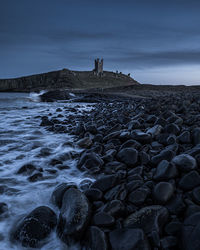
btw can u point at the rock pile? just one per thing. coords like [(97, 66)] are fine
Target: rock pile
[(145, 156)]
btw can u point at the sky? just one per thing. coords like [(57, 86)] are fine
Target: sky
[(157, 41)]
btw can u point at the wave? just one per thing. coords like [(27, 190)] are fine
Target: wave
[(35, 97)]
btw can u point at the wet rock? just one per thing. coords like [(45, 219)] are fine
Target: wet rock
[(171, 139), (114, 208), (196, 195), (196, 136), (185, 162), (34, 227), (128, 156), (138, 196), (117, 192), (165, 171), (173, 227), (86, 142), (176, 204), (89, 161), (189, 181), (163, 192), (94, 194), (184, 137), (105, 183), (168, 242), (74, 216), (58, 193), (190, 233), (163, 155), (97, 239), (103, 219), (151, 218), (141, 137), (26, 169), (46, 122), (172, 129), (54, 95), (131, 144), (154, 131), (35, 177), (132, 185), (129, 239), (3, 209)]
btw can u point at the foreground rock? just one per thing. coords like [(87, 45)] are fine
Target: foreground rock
[(128, 239), (74, 216), (35, 227)]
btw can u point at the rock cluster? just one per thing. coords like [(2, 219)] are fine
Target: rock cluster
[(145, 156)]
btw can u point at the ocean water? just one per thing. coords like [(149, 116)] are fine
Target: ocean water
[(22, 140)]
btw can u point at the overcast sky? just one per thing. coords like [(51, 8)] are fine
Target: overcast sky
[(157, 41)]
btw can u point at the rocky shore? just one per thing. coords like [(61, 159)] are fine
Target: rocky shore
[(144, 154)]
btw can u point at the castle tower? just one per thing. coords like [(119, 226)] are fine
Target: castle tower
[(98, 67)]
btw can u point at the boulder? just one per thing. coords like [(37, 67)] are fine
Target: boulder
[(58, 193), (34, 227), (97, 239), (128, 156), (185, 162), (189, 181), (163, 192), (165, 171), (151, 218), (128, 239), (105, 183), (74, 216), (190, 239)]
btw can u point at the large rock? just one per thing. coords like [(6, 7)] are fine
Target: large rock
[(163, 192), (190, 233), (34, 227), (90, 161), (163, 155), (105, 183), (54, 95), (165, 171), (74, 216), (151, 218), (58, 193), (128, 156), (185, 162), (97, 239), (190, 181), (128, 239)]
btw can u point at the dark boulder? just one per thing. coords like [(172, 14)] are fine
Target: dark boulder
[(128, 239), (103, 219), (185, 162), (34, 227), (128, 156), (190, 239), (105, 183), (165, 171), (26, 169), (58, 193), (54, 95), (151, 218), (163, 192), (190, 181), (97, 239), (163, 155), (74, 216)]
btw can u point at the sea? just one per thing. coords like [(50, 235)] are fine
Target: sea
[(22, 141)]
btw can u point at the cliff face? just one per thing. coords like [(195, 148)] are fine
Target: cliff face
[(65, 79)]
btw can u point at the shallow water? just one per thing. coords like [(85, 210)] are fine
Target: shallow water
[(23, 140)]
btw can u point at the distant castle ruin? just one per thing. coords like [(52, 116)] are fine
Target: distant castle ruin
[(98, 67)]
